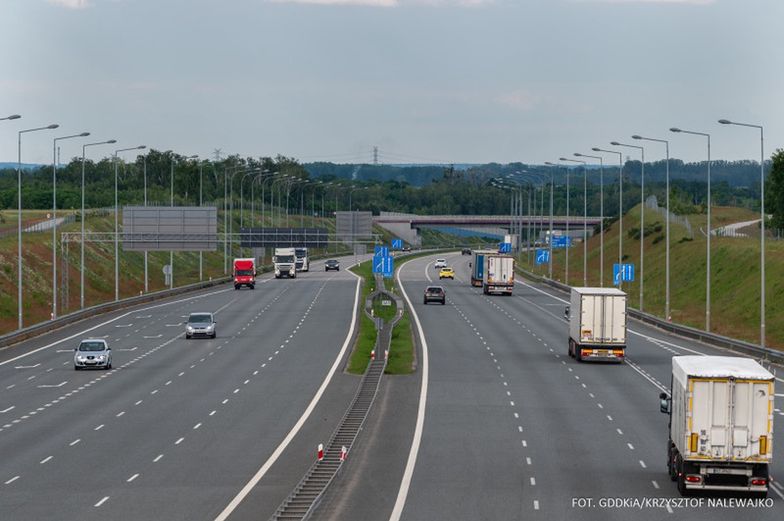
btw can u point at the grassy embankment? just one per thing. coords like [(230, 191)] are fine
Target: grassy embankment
[(735, 267), (99, 266)]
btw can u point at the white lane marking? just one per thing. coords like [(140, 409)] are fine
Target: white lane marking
[(123, 325), (50, 385), (631, 447), (179, 441), (305, 415), (46, 459), (619, 431), (138, 402), (651, 380), (533, 481), (99, 427), (525, 443), (157, 458), (144, 316), (536, 504), (26, 366), (153, 336), (134, 348), (101, 502), (655, 485), (120, 414), (82, 333), (212, 413), (74, 442), (642, 464), (196, 426), (527, 460), (8, 409), (11, 480), (132, 478)]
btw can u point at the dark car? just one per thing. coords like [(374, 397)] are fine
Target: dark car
[(332, 264), (435, 294), (466, 251), (406, 248)]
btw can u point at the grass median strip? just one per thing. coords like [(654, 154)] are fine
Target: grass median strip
[(401, 349)]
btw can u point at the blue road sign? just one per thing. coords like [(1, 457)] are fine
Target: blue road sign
[(623, 273), (382, 251), (505, 247), (542, 256), (397, 244), (384, 264), (562, 242)]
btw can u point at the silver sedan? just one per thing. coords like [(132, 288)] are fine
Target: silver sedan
[(93, 352)]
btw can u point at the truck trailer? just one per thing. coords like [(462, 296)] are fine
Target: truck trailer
[(244, 273), (720, 412), (498, 275), (597, 324), (302, 260), (478, 266)]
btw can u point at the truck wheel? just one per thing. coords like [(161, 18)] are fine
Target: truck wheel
[(236, 287), (569, 351), (681, 476), (425, 302), (671, 462), (577, 353)]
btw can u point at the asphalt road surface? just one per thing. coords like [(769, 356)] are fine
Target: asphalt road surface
[(178, 427)]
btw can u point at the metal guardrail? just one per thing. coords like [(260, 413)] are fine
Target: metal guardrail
[(732, 344)]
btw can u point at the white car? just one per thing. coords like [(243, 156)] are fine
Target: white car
[(92, 352), (440, 263)]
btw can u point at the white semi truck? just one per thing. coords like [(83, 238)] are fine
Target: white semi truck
[(721, 424), (597, 324), (498, 275), (284, 262), (302, 260)]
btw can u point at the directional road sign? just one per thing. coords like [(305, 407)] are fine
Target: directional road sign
[(505, 247), (542, 256), (397, 244), (623, 273), (384, 264), (382, 251), (562, 242)]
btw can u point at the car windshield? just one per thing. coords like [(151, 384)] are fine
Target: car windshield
[(284, 258), (332, 262), (92, 346), (245, 272), (200, 319), (301, 252), (434, 290)]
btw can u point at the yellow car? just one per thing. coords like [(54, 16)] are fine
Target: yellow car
[(446, 273)]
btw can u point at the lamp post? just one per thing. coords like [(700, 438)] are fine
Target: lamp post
[(12, 116), (642, 214), (146, 274), (81, 267), (585, 216), (708, 248), (54, 217), (171, 203), (117, 225), (201, 202), (620, 204), (666, 226), (762, 222), (550, 233), (566, 268), (601, 214), (19, 210)]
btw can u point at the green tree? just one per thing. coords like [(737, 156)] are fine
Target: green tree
[(774, 202)]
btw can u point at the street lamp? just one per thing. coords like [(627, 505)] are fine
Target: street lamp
[(620, 203), (566, 273), (601, 214), (54, 217), (642, 213), (19, 209), (171, 203), (81, 267), (708, 254), (667, 225), (117, 225), (550, 234), (585, 216), (762, 222), (12, 116)]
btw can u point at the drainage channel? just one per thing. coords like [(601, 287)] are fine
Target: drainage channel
[(307, 495)]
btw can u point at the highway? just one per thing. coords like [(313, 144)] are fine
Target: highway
[(179, 427), (496, 423), (510, 427)]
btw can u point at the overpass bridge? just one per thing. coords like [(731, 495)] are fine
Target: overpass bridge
[(407, 226)]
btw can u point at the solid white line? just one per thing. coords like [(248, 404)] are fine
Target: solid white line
[(101, 502), (234, 503), (82, 333)]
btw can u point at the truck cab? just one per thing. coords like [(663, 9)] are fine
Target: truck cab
[(284, 262)]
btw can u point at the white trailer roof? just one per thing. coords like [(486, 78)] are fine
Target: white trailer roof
[(598, 291), (717, 367)]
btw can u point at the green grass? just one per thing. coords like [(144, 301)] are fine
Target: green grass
[(401, 348), (735, 267)]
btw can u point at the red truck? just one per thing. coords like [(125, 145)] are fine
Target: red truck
[(244, 273)]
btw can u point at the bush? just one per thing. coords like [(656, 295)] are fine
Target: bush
[(685, 239), (658, 239)]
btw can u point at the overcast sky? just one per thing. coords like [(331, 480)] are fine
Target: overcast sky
[(424, 80)]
